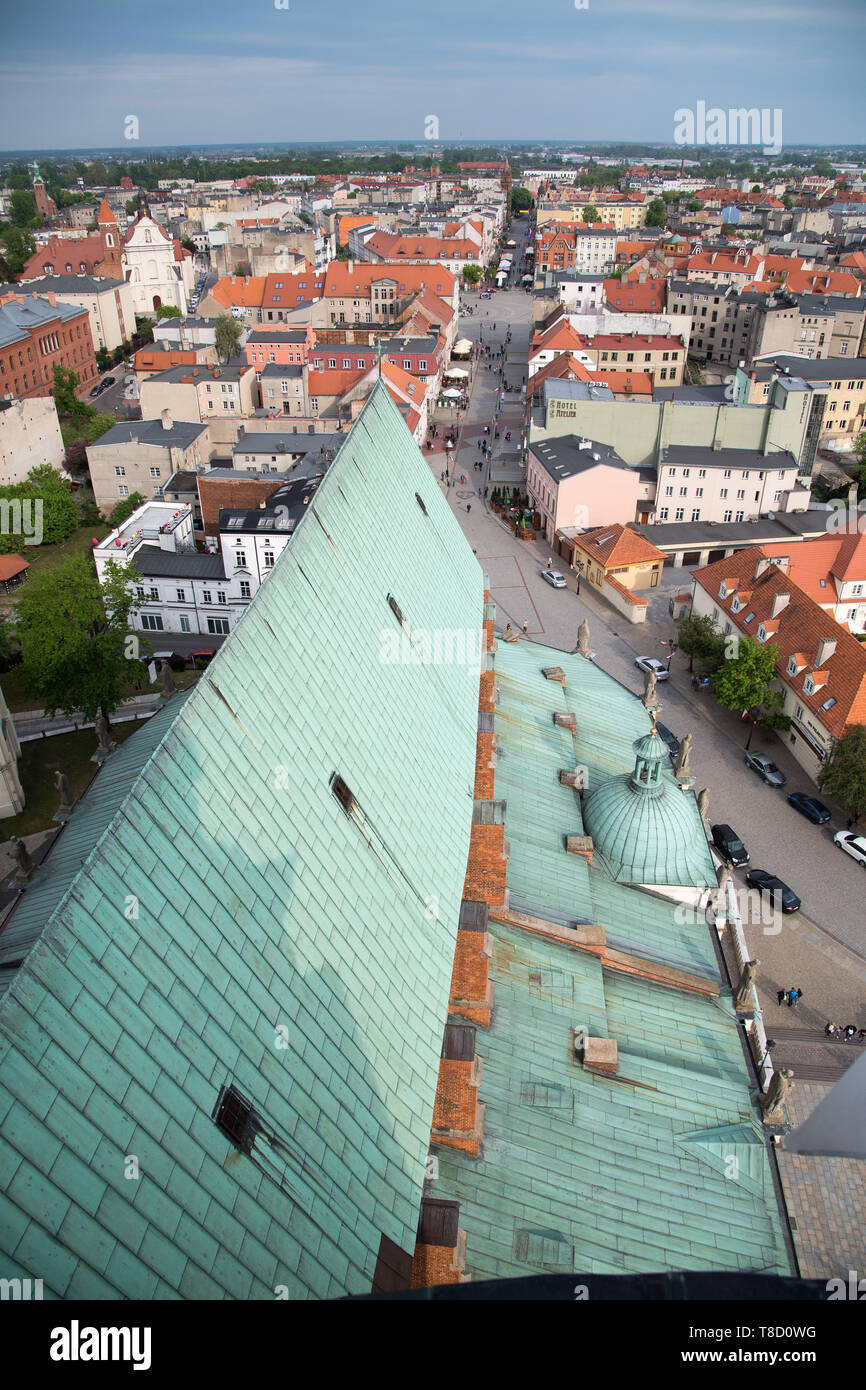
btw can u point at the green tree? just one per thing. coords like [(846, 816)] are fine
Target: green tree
[(756, 188), (59, 512), (743, 681), (655, 213), (125, 508), (701, 642), (63, 390), (591, 213), (787, 201), (73, 635), (22, 208), (472, 274), (694, 205), (131, 207), (521, 200), (16, 248), (167, 311), (228, 332), (843, 776)]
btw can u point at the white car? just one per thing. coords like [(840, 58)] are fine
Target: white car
[(855, 845), (649, 664), (555, 578)]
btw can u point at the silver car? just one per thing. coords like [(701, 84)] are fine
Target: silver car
[(649, 664), (766, 769), (855, 845), (555, 578)]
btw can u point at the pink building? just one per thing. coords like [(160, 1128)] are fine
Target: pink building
[(285, 346), (577, 483)]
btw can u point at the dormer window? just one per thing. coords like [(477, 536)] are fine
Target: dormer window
[(808, 686), (735, 604), (761, 634)]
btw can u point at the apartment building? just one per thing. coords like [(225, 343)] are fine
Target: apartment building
[(200, 392), (142, 455), (820, 667), (836, 387), (583, 247), (700, 483), (108, 302), (37, 333)]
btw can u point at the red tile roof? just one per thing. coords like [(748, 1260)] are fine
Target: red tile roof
[(799, 628), (616, 545)]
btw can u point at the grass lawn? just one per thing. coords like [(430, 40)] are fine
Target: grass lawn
[(40, 759), (52, 556)]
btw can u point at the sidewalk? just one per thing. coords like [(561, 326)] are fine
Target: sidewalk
[(35, 723)]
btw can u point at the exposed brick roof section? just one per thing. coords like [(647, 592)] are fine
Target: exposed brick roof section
[(801, 625)]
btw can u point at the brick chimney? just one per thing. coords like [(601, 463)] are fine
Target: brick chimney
[(458, 1117), (440, 1249)]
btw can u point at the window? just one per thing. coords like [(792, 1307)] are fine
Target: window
[(739, 516), (699, 492), (684, 492), (181, 595), (123, 490), (245, 588), (332, 362), (221, 597), (727, 516), (151, 622), (120, 472), (269, 559), (678, 514), (669, 492), (206, 596), (723, 492), (741, 494), (218, 627), (240, 559), (663, 514), (184, 623), (154, 472)]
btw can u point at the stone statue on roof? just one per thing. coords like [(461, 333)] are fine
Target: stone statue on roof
[(67, 800), (24, 861), (582, 647), (650, 699), (168, 685), (103, 733), (681, 768), (744, 993), (704, 802), (778, 1091)]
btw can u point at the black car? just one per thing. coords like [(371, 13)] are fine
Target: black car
[(771, 887), (109, 381), (670, 739), (95, 390), (731, 846)]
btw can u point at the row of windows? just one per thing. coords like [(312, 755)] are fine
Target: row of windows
[(152, 595), (217, 627)]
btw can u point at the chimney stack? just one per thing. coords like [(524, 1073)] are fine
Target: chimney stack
[(826, 648), (780, 601), (166, 420), (762, 566)]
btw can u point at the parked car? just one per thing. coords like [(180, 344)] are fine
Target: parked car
[(810, 807), (771, 887), (485, 295), (855, 845), (108, 381), (95, 390), (766, 769), (730, 845), (649, 663), (554, 578), (670, 739)]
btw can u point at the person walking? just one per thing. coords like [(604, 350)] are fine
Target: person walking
[(469, 506), (525, 625), (794, 997)]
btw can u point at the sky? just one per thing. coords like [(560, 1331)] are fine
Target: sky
[(238, 71)]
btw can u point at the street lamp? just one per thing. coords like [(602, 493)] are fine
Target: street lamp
[(578, 565), (771, 1043)]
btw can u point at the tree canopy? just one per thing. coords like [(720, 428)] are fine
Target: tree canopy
[(701, 642), (73, 636), (743, 681), (228, 333), (656, 213), (843, 776)]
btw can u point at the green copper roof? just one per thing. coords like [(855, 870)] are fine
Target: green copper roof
[(230, 922), (664, 1166)]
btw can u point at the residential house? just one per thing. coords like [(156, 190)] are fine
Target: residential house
[(820, 668), (142, 455)]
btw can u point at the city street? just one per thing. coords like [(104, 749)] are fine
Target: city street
[(821, 949)]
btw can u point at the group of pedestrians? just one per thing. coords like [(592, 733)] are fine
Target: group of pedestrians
[(846, 1033)]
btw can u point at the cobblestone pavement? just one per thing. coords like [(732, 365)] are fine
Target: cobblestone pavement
[(826, 1201)]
